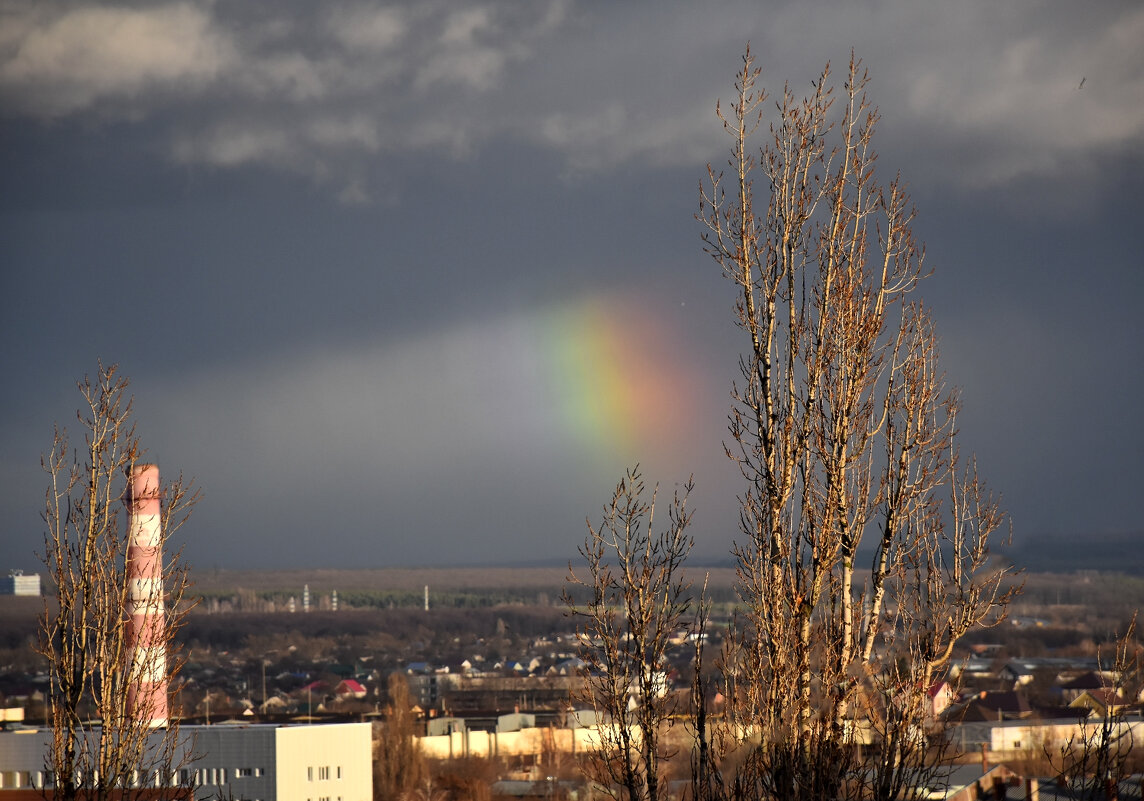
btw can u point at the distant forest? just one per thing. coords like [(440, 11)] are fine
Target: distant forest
[(1058, 553)]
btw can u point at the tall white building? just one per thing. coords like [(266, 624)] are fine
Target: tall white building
[(16, 583), (256, 762)]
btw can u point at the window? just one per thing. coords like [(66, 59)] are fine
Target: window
[(324, 773), (339, 774), (217, 776), (309, 776)]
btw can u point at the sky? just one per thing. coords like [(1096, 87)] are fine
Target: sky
[(413, 284)]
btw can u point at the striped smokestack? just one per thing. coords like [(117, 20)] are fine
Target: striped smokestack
[(146, 640)]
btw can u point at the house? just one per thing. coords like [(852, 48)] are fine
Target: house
[(515, 721), (1103, 702), (970, 783), (1023, 671), (349, 688), (1010, 737), (1090, 680), (446, 725), (571, 666), (275, 705), (939, 697), (992, 706), (583, 719), (973, 667)]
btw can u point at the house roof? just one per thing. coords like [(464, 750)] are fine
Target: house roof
[(938, 687), (1029, 665), (1104, 698), (948, 781), (1092, 680), (991, 706)]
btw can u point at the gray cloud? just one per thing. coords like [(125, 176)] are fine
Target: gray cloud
[(82, 56), (276, 89), (343, 226)]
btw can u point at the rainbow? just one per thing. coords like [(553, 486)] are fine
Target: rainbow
[(601, 375)]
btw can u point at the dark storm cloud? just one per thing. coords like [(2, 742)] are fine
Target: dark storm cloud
[(312, 233)]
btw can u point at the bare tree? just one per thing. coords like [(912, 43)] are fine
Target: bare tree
[(843, 428), (105, 742), (398, 766), (637, 597), (1093, 762)]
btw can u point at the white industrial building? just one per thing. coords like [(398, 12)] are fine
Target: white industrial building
[(16, 583), (256, 762)]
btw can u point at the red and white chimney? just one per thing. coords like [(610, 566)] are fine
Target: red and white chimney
[(146, 641)]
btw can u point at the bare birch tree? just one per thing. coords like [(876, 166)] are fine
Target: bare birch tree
[(398, 766), (637, 597), (865, 550), (103, 746)]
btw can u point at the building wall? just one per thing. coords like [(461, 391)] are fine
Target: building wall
[(1011, 738), (1036, 736), (22, 759), (233, 762), (515, 743), (325, 763), (18, 584)]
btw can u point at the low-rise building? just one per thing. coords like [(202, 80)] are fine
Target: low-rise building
[(16, 583), (261, 762)]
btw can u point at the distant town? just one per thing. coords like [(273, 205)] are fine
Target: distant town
[(492, 665)]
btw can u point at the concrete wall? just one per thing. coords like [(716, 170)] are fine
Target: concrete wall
[(516, 743), (1036, 735), (331, 762), (18, 584), (233, 762), (328, 762)]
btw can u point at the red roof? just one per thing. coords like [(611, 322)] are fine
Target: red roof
[(938, 687)]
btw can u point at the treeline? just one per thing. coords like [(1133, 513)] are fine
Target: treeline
[(436, 629), (1088, 551), (1110, 592), (245, 600)]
